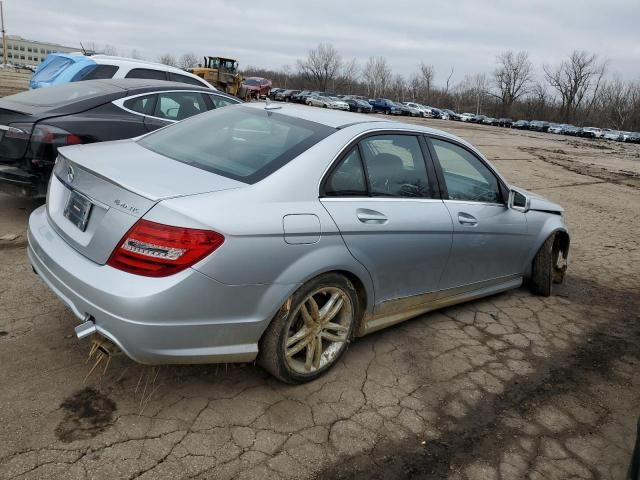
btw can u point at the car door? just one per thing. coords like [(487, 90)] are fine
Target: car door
[(489, 239), (383, 197)]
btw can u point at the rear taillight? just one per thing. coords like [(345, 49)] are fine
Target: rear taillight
[(156, 250), (44, 140)]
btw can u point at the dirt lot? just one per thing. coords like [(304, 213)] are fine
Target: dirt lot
[(510, 387)]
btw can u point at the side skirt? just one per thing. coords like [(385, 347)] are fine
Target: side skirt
[(395, 311)]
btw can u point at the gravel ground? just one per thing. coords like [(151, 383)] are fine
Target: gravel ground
[(509, 387)]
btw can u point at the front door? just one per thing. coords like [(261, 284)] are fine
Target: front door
[(385, 205), (489, 239)]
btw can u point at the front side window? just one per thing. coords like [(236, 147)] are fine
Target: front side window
[(147, 73), (242, 143), (395, 166), (465, 175), (179, 105), (220, 101)]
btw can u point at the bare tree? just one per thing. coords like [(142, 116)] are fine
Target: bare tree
[(618, 101), (136, 54), (448, 84), (321, 66), (347, 76), (189, 60), (377, 76), (109, 50), (168, 59), (427, 72), (512, 77), (574, 80), (399, 87)]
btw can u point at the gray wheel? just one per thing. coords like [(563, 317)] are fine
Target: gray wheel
[(310, 333), (544, 267)]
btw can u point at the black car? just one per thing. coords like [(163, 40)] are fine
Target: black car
[(633, 137), (285, 95), (505, 122), (477, 118), (539, 125), (521, 125), (35, 123), (571, 131), (274, 92), (301, 97), (357, 104)]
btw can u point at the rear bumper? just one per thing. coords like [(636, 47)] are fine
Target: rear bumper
[(184, 318), (18, 183)]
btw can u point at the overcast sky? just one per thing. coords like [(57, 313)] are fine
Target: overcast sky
[(463, 34)]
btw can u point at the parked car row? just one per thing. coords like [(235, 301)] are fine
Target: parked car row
[(572, 130)]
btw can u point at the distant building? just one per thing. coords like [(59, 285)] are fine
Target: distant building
[(29, 52)]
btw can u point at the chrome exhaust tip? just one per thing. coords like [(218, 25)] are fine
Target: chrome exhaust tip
[(86, 328)]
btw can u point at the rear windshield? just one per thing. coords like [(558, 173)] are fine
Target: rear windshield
[(52, 69), (238, 142), (61, 94)]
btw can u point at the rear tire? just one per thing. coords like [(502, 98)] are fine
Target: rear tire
[(542, 271), (300, 320)]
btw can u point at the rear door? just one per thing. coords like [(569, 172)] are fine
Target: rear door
[(489, 239), (383, 197)]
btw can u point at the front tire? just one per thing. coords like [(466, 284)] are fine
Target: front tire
[(311, 331), (543, 268)]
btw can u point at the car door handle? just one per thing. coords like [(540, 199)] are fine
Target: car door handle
[(370, 216), (466, 219)]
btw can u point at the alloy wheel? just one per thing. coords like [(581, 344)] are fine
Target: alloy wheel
[(318, 330)]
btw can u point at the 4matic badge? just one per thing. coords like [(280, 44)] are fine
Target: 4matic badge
[(125, 206)]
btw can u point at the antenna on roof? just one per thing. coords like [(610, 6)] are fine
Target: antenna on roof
[(268, 105), (84, 52)]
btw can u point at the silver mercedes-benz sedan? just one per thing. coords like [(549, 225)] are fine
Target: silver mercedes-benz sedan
[(280, 233)]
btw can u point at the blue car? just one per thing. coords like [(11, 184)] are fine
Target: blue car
[(382, 105), (59, 68)]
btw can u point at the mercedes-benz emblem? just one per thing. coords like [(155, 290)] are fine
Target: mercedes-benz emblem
[(70, 174)]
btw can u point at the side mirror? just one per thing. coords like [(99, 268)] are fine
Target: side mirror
[(518, 201)]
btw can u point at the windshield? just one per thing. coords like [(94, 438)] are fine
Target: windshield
[(52, 69), (251, 82), (61, 94), (243, 143)]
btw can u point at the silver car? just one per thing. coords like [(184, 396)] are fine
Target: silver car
[(280, 233)]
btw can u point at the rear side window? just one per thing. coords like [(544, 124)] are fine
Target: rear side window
[(144, 105), (176, 77), (147, 73), (348, 178), (243, 143), (95, 72), (101, 72)]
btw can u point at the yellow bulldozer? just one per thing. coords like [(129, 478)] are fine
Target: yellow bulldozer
[(222, 74)]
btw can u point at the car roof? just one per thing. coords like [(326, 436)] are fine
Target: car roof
[(148, 84)]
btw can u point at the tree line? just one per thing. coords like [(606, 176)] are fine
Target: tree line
[(576, 90)]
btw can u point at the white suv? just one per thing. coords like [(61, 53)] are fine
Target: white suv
[(60, 68)]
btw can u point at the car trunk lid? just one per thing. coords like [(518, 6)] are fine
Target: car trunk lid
[(98, 192)]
